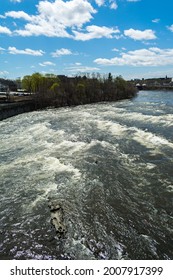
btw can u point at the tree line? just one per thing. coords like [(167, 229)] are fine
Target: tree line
[(53, 90)]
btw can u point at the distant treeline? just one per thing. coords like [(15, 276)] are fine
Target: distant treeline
[(52, 90)]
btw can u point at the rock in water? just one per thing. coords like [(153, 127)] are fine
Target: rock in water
[(57, 218)]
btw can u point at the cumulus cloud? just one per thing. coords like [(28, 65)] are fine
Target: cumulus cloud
[(142, 57), (61, 52), (5, 30), (53, 18), (13, 50), (95, 32), (147, 34), (64, 19)]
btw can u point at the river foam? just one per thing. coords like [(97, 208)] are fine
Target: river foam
[(108, 165)]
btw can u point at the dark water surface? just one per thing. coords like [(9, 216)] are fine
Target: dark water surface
[(109, 165)]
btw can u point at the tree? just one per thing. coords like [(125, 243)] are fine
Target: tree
[(36, 80), (60, 90), (54, 88), (18, 82), (26, 83), (110, 78), (80, 93)]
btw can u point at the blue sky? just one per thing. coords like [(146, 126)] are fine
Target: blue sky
[(132, 38)]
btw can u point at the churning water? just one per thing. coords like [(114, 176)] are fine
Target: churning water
[(109, 165)]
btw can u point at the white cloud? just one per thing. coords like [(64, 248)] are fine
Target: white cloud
[(133, 0), (18, 15), (156, 20), (70, 13), (53, 18), (57, 18), (13, 50), (113, 4), (147, 34), (5, 30), (47, 63), (142, 57), (100, 2), (115, 50), (61, 52), (81, 69), (170, 28), (16, 1), (95, 32), (43, 28)]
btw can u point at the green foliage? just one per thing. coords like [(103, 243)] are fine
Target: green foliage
[(36, 81), (55, 87), (26, 83), (52, 90), (80, 86)]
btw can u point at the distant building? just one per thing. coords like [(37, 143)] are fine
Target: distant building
[(7, 84), (3, 88)]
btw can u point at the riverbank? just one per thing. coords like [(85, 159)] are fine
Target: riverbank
[(8, 110), (25, 104), (61, 91), (164, 88)]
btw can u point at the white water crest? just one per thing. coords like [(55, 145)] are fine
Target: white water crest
[(108, 166)]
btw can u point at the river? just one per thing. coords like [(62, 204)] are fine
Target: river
[(108, 166)]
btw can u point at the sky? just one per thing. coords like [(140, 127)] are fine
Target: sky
[(131, 38)]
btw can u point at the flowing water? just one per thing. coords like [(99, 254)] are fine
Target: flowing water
[(109, 165)]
